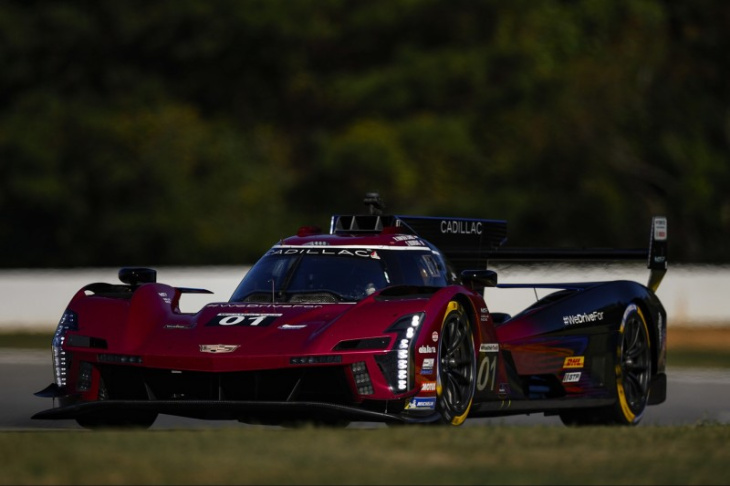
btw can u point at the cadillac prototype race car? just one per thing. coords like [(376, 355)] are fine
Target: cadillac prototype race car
[(381, 319)]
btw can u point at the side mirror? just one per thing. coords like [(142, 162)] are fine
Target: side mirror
[(137, 275), (479, 278)]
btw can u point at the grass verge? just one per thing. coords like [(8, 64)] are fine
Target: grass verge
[(402, 455), (698, 358), (26, 340)]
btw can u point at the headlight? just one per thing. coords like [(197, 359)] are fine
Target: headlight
[(398, 365), (62, 360)]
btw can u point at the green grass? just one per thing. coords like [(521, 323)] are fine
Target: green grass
[(27, 340), (695, 358), (403, 455)]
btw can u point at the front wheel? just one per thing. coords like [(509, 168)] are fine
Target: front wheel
[(456, 366), (633, 377)]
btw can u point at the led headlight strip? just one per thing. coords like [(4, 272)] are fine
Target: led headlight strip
[(407, 328), (62, 360)]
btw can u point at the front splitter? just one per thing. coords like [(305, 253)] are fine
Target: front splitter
[(245, 411)]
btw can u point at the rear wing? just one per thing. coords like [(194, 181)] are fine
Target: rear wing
[(470, 243), (655, 255)]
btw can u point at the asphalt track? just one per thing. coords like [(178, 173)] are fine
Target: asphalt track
[(694, 396)]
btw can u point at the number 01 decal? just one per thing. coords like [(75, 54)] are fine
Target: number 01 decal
[(250, 320), (487, 373)]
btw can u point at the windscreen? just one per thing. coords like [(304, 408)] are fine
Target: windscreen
[(336, 274)]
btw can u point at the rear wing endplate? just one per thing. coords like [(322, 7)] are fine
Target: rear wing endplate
[(657, 252)]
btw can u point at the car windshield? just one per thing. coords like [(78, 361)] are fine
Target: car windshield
[(336, 274)]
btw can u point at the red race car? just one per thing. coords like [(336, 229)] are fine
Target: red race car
[(381, 319)]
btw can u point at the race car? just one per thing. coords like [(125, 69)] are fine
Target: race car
[(381, 319)]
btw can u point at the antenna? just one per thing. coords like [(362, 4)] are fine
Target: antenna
[(374, 202)]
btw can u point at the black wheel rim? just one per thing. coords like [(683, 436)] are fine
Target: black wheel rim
[(635, 363), (456, 365)]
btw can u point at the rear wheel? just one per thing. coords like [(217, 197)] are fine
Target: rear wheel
[(633, 377), (456, 366)]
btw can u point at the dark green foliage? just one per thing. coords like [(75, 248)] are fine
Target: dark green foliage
[(193, 132)]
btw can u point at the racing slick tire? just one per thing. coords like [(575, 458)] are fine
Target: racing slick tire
[(456, 377), (633, 377)]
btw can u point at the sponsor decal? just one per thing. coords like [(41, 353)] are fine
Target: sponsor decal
[(316, 243), (353, 252), (660, 229), (243, 319), (292, 326), (582, 318), (179, 326), (218, 348), (409, 240), (404, 237), (572, 377), (503, 390), (422, 403), (429, 386), (427, 368), (574, 362), (489, 348), (426, 349), (165, 297), (263, 305), (435, 336), (461, 227)]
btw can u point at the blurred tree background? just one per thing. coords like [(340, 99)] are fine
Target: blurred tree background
[(188, 132)]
